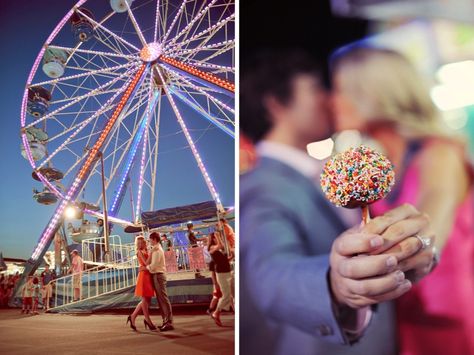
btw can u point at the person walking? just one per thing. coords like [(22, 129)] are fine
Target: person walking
[(46, 278), (223, 275), (76, 268)]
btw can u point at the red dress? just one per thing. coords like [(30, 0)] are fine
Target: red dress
[(144, 286)]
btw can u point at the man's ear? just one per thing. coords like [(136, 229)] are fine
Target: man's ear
[(272, 106)]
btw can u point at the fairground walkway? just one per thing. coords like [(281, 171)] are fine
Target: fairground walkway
[(106, 333)]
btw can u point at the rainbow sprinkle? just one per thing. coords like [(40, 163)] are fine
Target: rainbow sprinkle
[(357, 177)]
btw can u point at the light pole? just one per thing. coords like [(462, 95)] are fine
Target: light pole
[(104, 207)]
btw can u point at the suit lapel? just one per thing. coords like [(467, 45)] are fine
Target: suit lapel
[(320, 202)]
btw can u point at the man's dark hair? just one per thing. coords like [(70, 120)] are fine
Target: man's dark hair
[(269, 73), (155, 236)]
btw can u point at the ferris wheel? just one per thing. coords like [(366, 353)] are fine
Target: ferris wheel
[(101, 86)]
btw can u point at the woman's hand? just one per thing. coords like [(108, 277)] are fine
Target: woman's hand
[(413, 255)]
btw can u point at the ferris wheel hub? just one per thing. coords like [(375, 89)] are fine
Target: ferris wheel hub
[(151, 52)]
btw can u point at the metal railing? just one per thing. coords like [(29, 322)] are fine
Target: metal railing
[(118, 273), (94, 282), (93, 250)]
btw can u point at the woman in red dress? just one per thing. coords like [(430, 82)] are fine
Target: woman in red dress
[(144, 287)]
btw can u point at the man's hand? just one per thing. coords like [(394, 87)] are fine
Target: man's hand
[(360, 280)]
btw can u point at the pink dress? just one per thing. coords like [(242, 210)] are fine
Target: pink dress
[(437, 315)]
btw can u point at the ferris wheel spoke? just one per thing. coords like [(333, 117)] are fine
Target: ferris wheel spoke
[(128, 111), (211, 29), (173, 64), (98, 25), (81, 111), (202, 168), (135, 24), (73, 166), (187, 99), (211, 47), (202, 97), (77, 76), (91, 62), (218, 31), (119, 162), (175, 19), (96, 91), (189, 26), (106, 41), (99, 53), (198, 89), (112, 43), (131, 150), (82, 126), (152, 99), (190, 95), (79, 128), (157, 21), (217, 53), (156, 133)]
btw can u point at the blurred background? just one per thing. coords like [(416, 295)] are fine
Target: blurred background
[(436, 35)]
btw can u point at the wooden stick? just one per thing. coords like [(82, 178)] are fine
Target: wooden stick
[(365, 215)]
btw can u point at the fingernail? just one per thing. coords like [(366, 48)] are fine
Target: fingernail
[(399, 276), (406, 285), (391, 261), (376, 242)]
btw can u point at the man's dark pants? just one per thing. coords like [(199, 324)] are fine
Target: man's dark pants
[(159, 284)]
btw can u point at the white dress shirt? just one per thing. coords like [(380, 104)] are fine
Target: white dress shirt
[(157, 263)]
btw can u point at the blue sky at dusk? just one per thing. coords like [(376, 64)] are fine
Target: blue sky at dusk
[(24, 27)]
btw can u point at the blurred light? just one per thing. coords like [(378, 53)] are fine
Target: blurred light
[(344, 140), (456, 73), (450, 97), (457, 86), (320, 150), (455, 119), (70, 212)]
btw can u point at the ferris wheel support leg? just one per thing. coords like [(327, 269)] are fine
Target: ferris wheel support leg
[(56, 220)]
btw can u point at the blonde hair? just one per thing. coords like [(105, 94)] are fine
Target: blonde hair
[(385, 87), (137, 241)]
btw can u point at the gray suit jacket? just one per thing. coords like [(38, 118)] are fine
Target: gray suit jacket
[(286, 231)]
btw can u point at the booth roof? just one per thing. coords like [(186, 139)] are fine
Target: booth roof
[(175, 215)]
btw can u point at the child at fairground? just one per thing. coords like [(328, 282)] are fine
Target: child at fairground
[(27, 294), (36, 295)]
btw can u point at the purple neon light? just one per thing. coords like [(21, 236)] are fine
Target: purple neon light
[(40, 57)]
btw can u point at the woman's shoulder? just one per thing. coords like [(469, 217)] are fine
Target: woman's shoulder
[(443, 153), (446, 159)]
